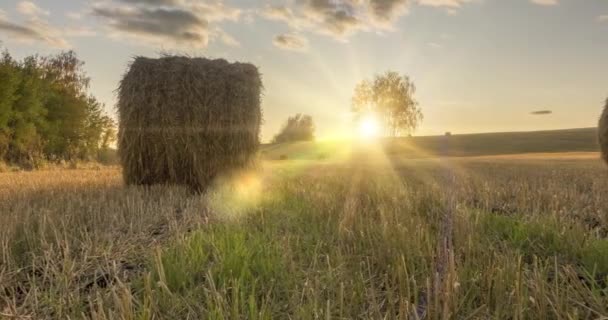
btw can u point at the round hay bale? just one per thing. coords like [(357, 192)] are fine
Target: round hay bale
[(187, 120), (603, 132)]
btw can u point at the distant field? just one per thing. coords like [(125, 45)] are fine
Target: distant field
[(547, 156), (570, 140)]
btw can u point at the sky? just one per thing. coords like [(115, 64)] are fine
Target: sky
[(478, 65)]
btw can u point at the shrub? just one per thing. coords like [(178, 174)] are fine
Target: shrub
[(297, 128)]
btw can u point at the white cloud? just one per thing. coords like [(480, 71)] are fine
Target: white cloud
[(34, 29), (181, 22), (225, 38), (30, 9), (338, 19), (546, 2), (342, 19), (452, 4), (79, 32), (214, 11)]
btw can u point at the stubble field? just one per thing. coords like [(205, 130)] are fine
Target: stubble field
[(368, 236)]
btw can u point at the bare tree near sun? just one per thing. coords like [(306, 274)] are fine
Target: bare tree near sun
[(390, 97), (603, 132)]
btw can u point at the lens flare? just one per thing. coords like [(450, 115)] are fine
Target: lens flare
[(234, 196)]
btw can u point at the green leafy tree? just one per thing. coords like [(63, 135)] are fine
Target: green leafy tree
[(300, 127), (68, 106), (98, 131), (28, 114), (46, 112), (390, 97), (9, 82), (106, 154)]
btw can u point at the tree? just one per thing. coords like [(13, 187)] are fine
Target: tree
[(46, 112), (9, 82), (390, 97), (70, 110), (297, 128), (27, 120)]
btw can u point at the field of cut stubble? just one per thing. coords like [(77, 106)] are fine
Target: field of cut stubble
[(515, 237)]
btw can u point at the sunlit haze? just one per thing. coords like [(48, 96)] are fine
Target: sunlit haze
[(369, 128)]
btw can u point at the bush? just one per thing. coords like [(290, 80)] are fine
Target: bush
[(297, 128)]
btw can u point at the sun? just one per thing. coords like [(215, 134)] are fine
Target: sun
[(369, 127)]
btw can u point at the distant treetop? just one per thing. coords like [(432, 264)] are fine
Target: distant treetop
[(297, 128)]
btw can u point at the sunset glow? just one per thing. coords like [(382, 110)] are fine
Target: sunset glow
[(369, 128)]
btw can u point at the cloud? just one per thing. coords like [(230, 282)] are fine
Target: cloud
[(286, 15), (386, 12), (28, 8), (225, 38), (290, 41), (159, 23), (546, 2), (541, 112), (180, 22), (342, 19), (79, 32), (214, 11), (279, 13), (19, 30), (34, 28), (154, 2), (338, 19), (451, 4)]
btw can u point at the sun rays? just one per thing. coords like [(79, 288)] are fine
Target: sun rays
[(369, 128)]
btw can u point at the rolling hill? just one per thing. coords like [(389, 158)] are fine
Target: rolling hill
[(463, 145)]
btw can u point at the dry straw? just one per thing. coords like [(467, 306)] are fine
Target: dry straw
[(187, 120), (603, 132)]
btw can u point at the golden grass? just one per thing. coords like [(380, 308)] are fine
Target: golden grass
[(65, 231), (332, 239)]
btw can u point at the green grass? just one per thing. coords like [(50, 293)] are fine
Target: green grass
[(372, 253), (359, 238)]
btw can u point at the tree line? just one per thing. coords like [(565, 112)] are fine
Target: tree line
[(47, 114)]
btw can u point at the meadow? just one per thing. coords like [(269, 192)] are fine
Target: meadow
[(351, 233)]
